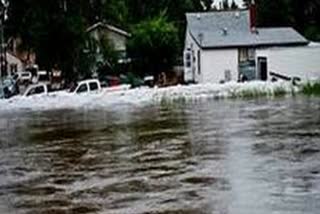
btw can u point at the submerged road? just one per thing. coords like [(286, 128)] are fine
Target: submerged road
[(230, 157)]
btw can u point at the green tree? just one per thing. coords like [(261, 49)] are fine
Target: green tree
[(273, 13), (115, 12), (305, 16), (54, 30), (154, 44)]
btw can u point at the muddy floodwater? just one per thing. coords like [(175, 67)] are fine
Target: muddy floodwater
[(210, 157)]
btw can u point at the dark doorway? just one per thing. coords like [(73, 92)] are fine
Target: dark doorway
[(263, 68)]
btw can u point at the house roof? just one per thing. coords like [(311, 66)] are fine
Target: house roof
[(109, 27), (225, 29)]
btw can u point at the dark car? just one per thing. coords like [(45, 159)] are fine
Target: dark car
[(8, 88)]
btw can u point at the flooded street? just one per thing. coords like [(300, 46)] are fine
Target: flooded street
[(209, 157)]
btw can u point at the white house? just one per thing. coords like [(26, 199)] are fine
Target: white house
[(224, 46), (14, 64)]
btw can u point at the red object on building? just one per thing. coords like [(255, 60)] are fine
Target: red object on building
[(253, 15), (114, 81)]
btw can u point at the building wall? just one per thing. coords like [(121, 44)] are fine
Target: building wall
[(215, 64), (192, 74), (303, 62), (118, 41), (28, 57), (14, 64)]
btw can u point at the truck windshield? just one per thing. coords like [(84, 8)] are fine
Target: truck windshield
[(82, 89), (36, 90)]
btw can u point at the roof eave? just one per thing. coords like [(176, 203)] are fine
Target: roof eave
[(195, 40), (288, 44), (109, 27)]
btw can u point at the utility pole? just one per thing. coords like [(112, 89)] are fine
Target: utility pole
[(3, 52)]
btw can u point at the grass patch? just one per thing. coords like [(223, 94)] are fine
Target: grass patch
[(279, 92), (311, 88), (254, 93)]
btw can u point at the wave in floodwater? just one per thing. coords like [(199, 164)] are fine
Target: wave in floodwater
[(145, 96), (254, 156)]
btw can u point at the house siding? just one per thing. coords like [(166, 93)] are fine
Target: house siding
[(302, 62), (215, 63), (14, 61), (118, 41), (193, 74)]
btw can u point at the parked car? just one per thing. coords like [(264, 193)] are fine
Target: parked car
[(8, 88), (25, 77)]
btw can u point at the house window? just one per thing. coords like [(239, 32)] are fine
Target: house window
[(188, 59), (13, 68), (247, 64), (243, 54), (246, 54)]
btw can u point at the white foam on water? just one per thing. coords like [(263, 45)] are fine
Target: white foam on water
[(142, 96)]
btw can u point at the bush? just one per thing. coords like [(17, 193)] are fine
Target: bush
[(311, 88)]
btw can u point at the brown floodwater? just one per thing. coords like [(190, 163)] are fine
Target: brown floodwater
[(214, 157)]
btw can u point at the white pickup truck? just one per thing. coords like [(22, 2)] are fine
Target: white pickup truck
[(87, 86), (33, 90), (83, 88)]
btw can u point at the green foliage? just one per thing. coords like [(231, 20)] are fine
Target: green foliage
[(63, 45), (56, 35), (132, 79), (312, 32), (254, 93), (302, 15), (115, 12), (107, 65), (273, 13), (311, 88), (154, 44), (279, 92), (140, 10)]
